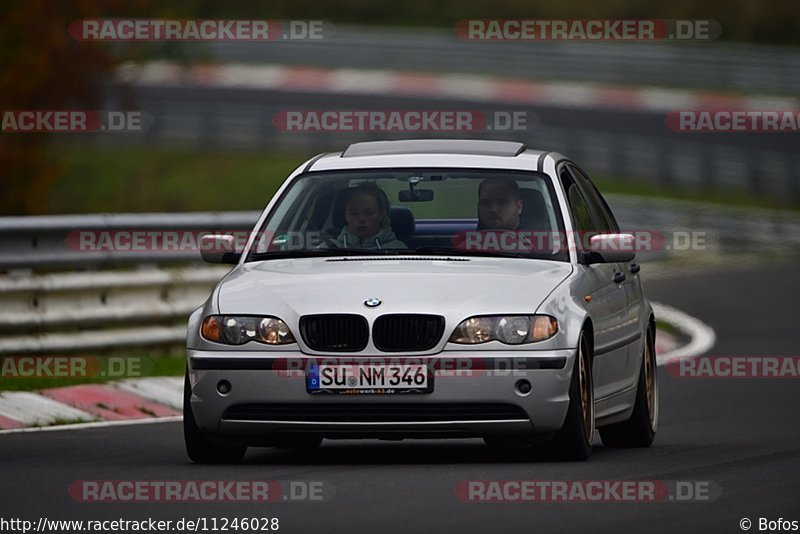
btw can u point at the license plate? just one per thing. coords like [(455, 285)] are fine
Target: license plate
[(369, 379)]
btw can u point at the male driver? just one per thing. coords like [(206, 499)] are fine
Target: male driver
[(499, 204)]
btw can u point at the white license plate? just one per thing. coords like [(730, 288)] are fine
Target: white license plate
[(369, 378)]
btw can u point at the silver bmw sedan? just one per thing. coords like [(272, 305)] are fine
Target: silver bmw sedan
[(425, 289)]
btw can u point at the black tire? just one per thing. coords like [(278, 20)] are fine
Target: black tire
[(200, 449), (640, 429), (574, 440)]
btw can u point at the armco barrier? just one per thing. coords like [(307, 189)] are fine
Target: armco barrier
[(98, 311), (41, 242), (138, 303), (103, 301)]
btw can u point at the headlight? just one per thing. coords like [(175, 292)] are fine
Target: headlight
[(238, 330), (508, 329), (513, 330), (474, 330)]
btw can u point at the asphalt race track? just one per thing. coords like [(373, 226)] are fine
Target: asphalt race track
[(632, 124), (742, 434)]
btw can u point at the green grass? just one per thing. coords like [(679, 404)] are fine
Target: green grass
[(149, 365), (98, 180), (732, 198), (136, 179), (62, 422), (670, 329)]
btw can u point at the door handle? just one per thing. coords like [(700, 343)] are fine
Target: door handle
[(635, 268), (619, 278)]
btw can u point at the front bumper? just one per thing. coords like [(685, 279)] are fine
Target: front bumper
[(481, 399)]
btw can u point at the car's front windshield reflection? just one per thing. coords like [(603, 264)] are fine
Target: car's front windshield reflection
[(421, 211)]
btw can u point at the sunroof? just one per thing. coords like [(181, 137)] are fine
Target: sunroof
[(435, 146)]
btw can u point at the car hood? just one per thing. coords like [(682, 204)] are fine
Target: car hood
[(451, 287)]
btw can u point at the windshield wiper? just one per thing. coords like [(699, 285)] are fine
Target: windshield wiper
[(445, 251), (323, 253), (334, 252)]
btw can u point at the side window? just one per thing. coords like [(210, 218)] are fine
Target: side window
[(581, 215), (605, 218)]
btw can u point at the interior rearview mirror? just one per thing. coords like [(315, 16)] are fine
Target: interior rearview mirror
[(416, 195)]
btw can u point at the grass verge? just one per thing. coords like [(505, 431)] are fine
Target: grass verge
[(113, 368), (140, 179)]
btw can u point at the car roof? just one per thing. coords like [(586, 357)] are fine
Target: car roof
[(465, 153), (435, 146)]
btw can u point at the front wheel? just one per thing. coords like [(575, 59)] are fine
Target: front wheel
[(574, 440), (640, 429), (200, 449)]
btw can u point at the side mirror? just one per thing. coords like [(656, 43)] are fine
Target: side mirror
[(610, 248), (219, 248)]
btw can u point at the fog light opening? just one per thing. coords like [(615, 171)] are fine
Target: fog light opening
[(224, 387), (523, 387)]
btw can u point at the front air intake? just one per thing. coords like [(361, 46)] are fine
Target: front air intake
[(335, 332), (407, 332)]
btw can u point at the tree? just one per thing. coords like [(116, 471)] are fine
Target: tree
[(44, 68)]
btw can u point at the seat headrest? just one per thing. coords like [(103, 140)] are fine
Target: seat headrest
[(339, 205), (534, 214), (403, 222)]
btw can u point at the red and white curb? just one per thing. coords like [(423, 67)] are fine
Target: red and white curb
[(23, 408), (474, 87), (701, 336), (160, 399), (127, 401)]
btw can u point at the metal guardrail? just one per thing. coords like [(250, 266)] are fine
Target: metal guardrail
[(147, 306), (90, 311), (712, 65), (622, 144), (134, 305), (627, 145), (50, 242), (53, 242)]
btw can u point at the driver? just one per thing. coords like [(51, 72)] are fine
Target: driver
[(368, 225), (499, 204)]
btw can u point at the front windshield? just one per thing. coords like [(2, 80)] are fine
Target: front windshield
[(415, 211)]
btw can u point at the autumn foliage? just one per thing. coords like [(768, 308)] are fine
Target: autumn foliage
[(44, 68)]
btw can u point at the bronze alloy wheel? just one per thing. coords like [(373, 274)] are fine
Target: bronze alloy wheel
[(586, 391), (651, 381), (640, 429)]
